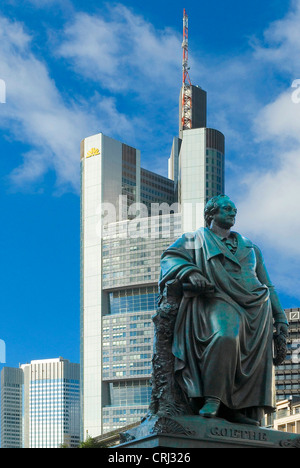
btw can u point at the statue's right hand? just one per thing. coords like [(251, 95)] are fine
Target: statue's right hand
[(201, 283)]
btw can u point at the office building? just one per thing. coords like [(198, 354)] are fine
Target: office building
[(287, 375), (120, 251), (41, 405), (11, 407), (51, 403), (197, 162), (288, 415), (287, 381), (198, 111), (129, 215)]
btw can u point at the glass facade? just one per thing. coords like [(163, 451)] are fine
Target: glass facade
[(130, 401), (54, 413), (51, 404), (127, 344), (128, 334), (156, 189), (40, 405), (133, 300), (11, 408), (131, 250), (129, 174), (200, 173), (287, 375), (120, 260), (214, 177), (130, 274)]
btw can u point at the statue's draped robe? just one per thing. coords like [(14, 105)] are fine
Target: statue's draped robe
[(223, 342)]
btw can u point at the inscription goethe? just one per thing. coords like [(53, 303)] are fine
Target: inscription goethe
[(243, 434)]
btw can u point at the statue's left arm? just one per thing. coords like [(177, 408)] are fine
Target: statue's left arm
[(178, 261), (279, 315)]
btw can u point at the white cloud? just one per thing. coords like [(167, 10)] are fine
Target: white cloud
[(269, 200), (282, 41), (133, 61), (251, 102), (122, 51), (130, 59), (36, 114), (280, 120)]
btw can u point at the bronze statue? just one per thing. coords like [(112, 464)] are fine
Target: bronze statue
[(218, 309)]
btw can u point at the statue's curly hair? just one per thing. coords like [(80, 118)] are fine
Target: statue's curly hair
[(211, 208)]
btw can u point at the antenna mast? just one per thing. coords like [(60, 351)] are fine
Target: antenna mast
[(186, 117)]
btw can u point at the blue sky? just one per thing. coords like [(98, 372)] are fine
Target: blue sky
[(75, 68)]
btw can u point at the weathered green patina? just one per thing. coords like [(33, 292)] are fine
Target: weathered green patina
[(222, 340)]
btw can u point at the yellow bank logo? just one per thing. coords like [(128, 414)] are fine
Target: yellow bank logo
[(92, 152)]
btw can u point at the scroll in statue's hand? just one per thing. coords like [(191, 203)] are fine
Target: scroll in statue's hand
[(200, 284)]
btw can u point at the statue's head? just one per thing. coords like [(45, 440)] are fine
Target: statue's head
[(220, 210)]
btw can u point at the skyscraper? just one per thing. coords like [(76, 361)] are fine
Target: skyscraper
[(120, 251), (287, 375), (198, 112), (197, 162), (129, 216), (41, 405), (11, 407), (197, 158)]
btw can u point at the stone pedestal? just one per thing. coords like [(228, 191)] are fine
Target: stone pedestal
[(188, 432)]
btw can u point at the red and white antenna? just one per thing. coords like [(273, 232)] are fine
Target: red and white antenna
[(186, 118)]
